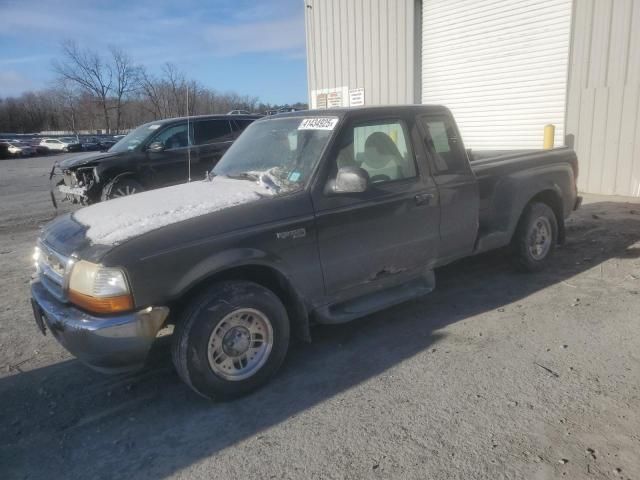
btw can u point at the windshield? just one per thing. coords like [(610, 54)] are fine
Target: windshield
[(134, 138), (280, 153)]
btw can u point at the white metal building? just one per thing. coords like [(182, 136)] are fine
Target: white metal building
[(505, 68)]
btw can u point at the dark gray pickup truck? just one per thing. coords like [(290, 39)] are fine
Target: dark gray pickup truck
[(311, 217)]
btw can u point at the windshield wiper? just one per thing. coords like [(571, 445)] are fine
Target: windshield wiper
[(244, 176)]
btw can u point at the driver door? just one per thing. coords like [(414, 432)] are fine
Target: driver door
[(171, 165), (388, 233)]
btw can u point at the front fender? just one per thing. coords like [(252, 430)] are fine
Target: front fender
[(219, 262)]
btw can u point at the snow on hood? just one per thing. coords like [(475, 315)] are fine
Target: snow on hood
[(117, 220)]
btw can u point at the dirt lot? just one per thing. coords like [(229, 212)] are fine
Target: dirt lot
[(495, 375)]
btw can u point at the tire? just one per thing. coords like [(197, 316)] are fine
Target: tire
[(536, 237), (215, 325), (120, 187)]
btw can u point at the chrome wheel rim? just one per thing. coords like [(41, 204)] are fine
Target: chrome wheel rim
[(540, 237), (124, 191), (240, 344)]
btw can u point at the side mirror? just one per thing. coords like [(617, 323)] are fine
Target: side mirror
[(350, 180), (155, 147)]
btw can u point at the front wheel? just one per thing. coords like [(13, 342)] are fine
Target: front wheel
[(535, 238), (120, 187), (231, 339)]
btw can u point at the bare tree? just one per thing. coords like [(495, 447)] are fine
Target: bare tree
[(66, 102), (88, 71), (96, 91), (151, 90), (127, 78)]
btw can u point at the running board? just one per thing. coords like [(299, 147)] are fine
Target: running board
[(376, 301)]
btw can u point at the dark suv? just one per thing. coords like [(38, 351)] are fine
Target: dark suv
[(156, 154)]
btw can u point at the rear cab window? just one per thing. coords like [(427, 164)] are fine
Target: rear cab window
[(443, 144)]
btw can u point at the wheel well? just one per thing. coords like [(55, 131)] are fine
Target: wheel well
[(116, 175), (268, 278), (554, 201)]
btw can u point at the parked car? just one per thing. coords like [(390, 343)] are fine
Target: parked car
[(154, 155), (4, 150), (91, 144), (39, 147), (311, 217), (61, 144), (107, 142), (73, 144), (239, 112), (16, 149)]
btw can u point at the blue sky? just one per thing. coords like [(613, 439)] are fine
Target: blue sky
[(250, 47)]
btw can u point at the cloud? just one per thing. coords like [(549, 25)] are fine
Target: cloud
[(275, 36), (24, 59), (196, 35)]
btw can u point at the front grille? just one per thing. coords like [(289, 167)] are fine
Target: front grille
[(51, 268)]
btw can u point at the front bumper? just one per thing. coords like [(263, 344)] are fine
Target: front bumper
[(108, 344)]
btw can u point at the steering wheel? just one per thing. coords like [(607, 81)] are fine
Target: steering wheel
[(380, 178)]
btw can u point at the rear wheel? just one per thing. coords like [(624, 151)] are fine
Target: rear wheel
[(535, 238), (121, 187), (231, 339)]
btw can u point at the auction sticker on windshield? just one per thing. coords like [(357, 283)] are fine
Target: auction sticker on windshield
[(320, 123)]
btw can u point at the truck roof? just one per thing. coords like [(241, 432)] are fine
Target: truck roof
[(363, 111), (204, 117)]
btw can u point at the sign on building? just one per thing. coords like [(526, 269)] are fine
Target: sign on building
[(356, 97)]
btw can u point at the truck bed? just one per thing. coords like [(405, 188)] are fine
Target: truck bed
[(507, 175)]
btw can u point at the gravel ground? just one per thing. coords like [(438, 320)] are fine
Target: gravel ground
[(494, 375)]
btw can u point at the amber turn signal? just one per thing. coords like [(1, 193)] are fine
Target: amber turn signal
[(117, 304)]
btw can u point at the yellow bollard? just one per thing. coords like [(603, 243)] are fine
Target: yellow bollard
[(549, 134)]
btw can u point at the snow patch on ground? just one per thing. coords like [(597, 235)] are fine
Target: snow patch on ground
[(117, 220)]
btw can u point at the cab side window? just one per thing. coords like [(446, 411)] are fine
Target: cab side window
[(211, 131), (444, 145), (173, 137), (382, 149)]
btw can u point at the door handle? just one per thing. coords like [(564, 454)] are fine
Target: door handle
[(423, 198)]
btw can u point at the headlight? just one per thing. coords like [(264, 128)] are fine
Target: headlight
[(36, 256), (99, 289)]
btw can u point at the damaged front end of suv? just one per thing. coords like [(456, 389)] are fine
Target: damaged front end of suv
[(75, 184), (83, 179), (80, 185)]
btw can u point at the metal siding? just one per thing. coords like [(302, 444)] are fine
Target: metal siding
[(603, 107), (500, 66), (362, 44)]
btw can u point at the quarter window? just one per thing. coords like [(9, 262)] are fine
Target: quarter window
[(381, 149)]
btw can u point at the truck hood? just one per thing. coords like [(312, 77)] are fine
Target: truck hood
[(85, 159), (115, 221)]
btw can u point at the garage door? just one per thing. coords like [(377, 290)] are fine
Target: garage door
[(500, 66)]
